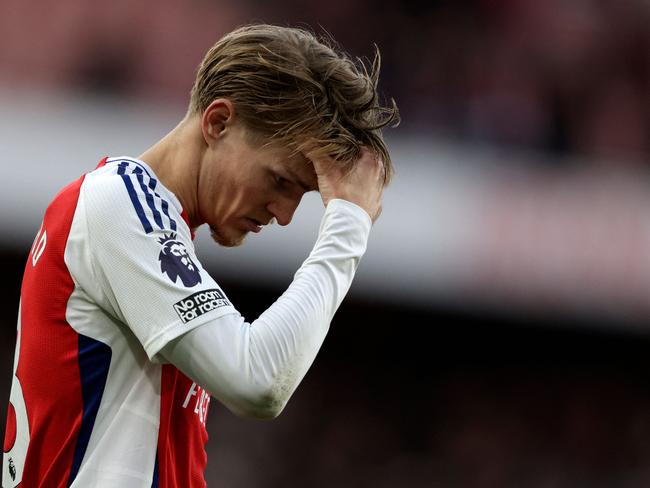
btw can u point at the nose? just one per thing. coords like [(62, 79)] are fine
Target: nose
[(283, 209)]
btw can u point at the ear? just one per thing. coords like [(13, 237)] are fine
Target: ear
[(216, 118)]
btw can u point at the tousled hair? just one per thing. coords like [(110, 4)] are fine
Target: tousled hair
[(290, 87)]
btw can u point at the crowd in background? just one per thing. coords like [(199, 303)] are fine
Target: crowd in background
[(560, 78)]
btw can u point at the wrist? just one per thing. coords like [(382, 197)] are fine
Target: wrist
[(340, 204)]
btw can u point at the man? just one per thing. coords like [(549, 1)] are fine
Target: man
[(123, 336)]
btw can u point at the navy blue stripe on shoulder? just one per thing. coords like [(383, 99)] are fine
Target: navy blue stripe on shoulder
[(139, 183), (134, 197), (165, 209), (148, 196), (134, 162)]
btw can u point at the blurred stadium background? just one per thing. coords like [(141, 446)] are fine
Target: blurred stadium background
[(497, 335)]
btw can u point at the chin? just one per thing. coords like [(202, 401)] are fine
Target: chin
[(227, 240)]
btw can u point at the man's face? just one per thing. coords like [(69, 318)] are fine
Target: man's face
[(243, 187)]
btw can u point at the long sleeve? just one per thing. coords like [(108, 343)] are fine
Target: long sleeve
[(253, 368)]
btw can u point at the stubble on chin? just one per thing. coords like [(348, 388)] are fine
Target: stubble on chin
[(226, 241)]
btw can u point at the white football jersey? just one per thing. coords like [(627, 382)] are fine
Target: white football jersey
[(112, 277)]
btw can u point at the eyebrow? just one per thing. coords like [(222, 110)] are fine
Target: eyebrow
[(298, 180)]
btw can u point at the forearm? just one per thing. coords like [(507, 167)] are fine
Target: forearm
[(254, 368)]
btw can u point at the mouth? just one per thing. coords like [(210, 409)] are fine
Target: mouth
[(254, 225)]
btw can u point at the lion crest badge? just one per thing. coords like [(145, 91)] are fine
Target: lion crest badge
[(176, 262)]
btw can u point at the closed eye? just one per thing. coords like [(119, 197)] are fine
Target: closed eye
[(281, 181), (288, 186)]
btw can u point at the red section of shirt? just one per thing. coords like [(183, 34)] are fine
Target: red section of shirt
[(48, 371), (10, 431), (48, 368), (182, 436)]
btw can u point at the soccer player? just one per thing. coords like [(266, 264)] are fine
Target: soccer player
[(123, 337)]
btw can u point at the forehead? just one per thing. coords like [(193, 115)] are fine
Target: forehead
[(294, 165)]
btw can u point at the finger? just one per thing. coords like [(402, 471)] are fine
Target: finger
[(322, 163)]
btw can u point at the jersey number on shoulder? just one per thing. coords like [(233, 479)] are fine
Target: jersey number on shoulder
[(39, 245)]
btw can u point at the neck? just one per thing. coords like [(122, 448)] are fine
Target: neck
[(175, 159)]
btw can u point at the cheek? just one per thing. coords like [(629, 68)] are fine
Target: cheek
[(246, 198)]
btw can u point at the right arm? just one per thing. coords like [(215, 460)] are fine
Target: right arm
[(254, 368)]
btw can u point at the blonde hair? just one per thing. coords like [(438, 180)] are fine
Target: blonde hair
[(290, 87)]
